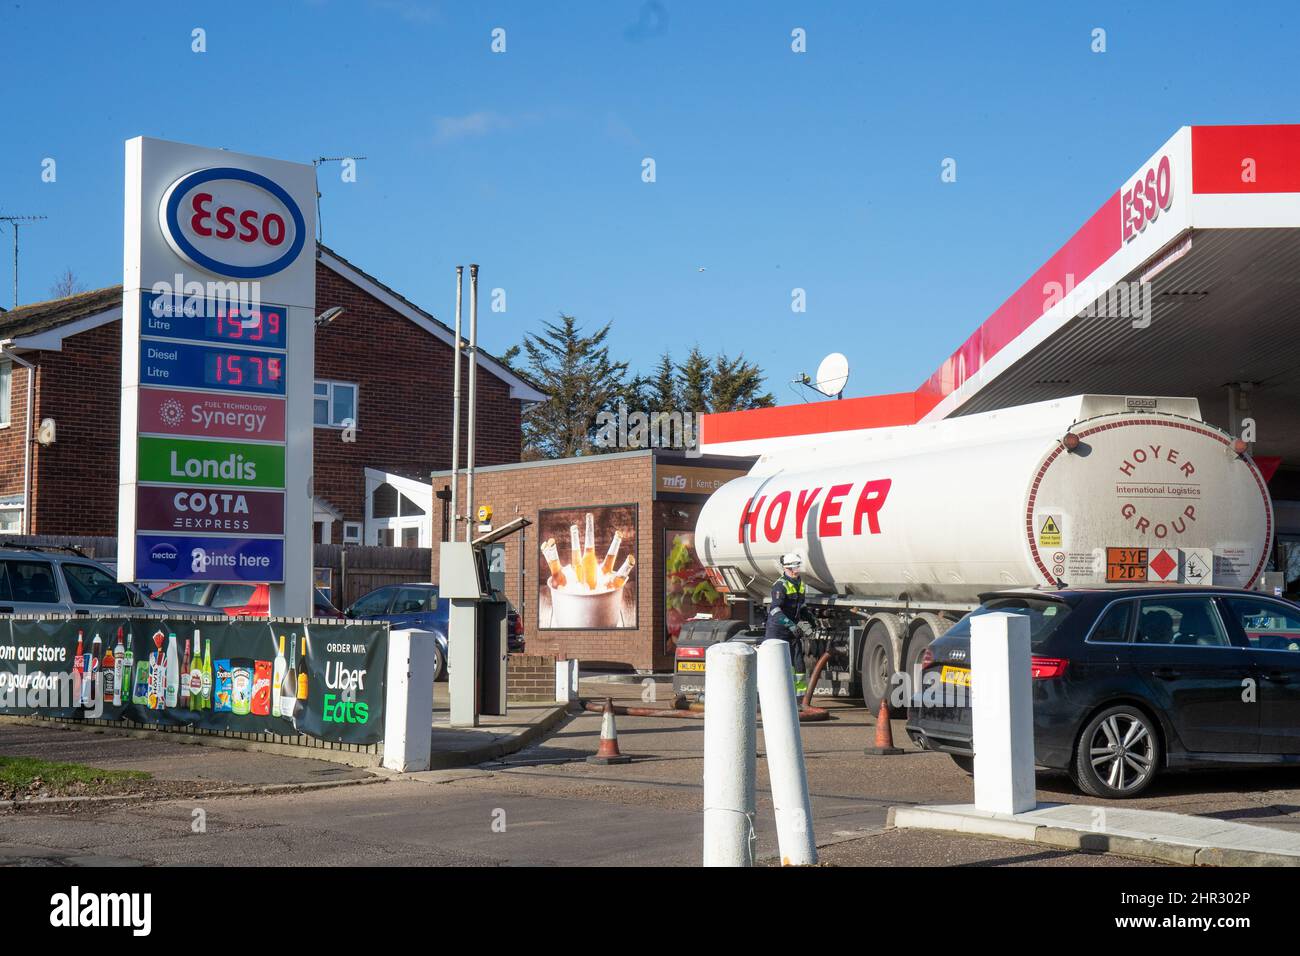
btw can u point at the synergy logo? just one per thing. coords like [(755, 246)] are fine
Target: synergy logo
[(232, 222)]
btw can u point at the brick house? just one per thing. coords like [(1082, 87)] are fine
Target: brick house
[(384, 362)]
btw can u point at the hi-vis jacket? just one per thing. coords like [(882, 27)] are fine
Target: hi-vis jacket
[(787, 605)]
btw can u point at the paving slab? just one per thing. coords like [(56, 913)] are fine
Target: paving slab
[(1149, 834)]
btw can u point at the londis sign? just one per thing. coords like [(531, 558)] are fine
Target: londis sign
[(1141, 203), (232, 222)]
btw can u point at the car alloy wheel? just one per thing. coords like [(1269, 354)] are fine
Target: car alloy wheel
[(1118, 753)]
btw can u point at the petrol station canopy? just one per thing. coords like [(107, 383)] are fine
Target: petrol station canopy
[(1206, 232)]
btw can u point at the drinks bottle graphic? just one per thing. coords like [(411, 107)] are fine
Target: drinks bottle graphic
[(78, 669), (108, 680), (289, 688), (90, 689), (207, 674), (302, 674), (183, 679), (277, 677), (589, 553), (607, 566), (172, 672), (195, 676), (121, 671)]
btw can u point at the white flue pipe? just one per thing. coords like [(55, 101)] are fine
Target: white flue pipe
[(787, 775), (1002, 712), (730, 739)]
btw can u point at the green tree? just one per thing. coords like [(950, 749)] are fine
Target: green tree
[(579, 379)]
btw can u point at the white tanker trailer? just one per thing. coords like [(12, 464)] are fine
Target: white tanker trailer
[(902, 529)]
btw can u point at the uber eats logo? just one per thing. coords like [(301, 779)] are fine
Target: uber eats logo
[(342, 706)]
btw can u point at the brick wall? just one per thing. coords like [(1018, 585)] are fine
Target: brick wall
[(530, 677), (404, 380), (403, 375), (594, 481)]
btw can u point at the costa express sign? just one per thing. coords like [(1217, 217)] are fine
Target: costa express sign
[(1142, 202), (232, 222)]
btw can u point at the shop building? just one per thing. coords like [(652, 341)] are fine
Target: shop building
[(649, 501), (384, 364)]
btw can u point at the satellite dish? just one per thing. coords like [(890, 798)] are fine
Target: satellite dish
[(46, 433), (832, 375)]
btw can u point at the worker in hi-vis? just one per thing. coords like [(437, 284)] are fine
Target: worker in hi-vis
[(787, 618)]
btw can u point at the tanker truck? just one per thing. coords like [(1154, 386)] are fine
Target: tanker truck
[(902, 529)]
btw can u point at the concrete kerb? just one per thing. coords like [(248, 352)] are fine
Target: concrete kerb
[(268, 788), (471, 756), (439, 760), (352, 759), (1065, 838)]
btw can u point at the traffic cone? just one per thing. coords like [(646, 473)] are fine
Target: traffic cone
[(608, 752), (884, 734)]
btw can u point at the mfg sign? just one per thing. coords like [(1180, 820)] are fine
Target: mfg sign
[(232, 222)]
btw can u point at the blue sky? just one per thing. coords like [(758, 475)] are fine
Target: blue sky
[(775, 170)]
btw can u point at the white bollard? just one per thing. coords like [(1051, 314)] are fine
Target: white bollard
[(730, 739), (408, 704), (785, 767), (566, 680), (1002, 718)]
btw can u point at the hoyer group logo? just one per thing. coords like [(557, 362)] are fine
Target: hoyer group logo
[(232, 222)]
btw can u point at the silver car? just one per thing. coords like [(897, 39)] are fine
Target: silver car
[(61, 581)]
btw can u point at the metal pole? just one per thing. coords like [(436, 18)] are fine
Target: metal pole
[(785, 765), (15, 225), (473, 396), (730, 738), (455, 410)]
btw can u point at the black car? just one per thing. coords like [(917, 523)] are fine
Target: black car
[(1132, 681)]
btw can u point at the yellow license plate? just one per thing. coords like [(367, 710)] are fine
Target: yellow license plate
[(690, 666), (955, 675)]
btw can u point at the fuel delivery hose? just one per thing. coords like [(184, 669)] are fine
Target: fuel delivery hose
[(695, 711)]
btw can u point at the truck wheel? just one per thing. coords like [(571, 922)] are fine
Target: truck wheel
[(877, 666), (1118, 753), (921, 638)]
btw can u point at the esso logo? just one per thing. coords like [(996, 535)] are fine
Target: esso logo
[(232, 222), (1142, 202)]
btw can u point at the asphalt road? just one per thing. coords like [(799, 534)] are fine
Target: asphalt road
[(547, 806)]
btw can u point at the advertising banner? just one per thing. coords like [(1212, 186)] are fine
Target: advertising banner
[(323, 680), (208, 415), (597, 588)]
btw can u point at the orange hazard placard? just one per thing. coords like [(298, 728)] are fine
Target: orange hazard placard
[(1126, 564)]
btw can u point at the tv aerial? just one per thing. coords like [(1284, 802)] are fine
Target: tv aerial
[(832, 376)]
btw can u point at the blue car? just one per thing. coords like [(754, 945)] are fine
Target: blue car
[(418, 606)]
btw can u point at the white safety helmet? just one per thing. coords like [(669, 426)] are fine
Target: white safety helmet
[(792, 559)]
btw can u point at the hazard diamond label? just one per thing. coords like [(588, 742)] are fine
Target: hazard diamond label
[(1162, 565)]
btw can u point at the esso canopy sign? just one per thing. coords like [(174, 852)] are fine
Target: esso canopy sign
[(1142, 203), (232, 222)]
